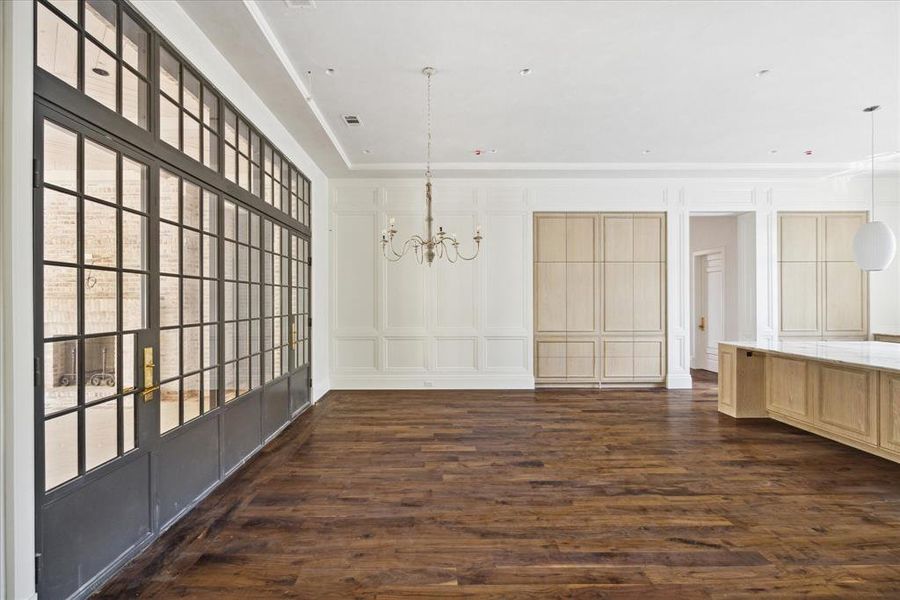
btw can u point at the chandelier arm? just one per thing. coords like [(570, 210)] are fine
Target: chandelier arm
[(474, 256)]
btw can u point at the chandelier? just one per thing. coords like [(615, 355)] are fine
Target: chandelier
[(440, 244)]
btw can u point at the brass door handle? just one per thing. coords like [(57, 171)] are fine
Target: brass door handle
[(702, 325), (147, 392)]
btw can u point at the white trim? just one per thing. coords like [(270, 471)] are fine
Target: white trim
[(598, 166), (438, 382), (16, 291), (679, 381)]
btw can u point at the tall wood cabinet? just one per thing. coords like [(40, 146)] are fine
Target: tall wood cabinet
[(823, 294), (599, 298)]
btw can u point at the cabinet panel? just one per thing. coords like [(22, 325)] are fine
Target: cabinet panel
[(798, 238), (618, 297), (550, 294), (581, 297), (648, 297), (581, 243), (839, 232), (581, 359), (890, 411), (648, 238), (846, 402), (845, 299), (787, 387), (551, 359), (727, 372), (550, 237), (799, 298), (618, 238), (649, 360), (618, 361)]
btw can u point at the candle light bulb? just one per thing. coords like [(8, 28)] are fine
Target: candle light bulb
[(393, 220)]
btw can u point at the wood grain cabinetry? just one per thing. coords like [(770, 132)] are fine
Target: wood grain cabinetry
[(823, 294), (787, 387), (599, 298), (889, 414), (846, 401)]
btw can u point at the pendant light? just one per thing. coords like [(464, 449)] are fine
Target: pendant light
[(874, 245)]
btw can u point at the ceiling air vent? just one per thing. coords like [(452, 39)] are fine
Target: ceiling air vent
[(352, 120), (300, 3)]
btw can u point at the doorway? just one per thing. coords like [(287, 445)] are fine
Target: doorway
[(709, 308)]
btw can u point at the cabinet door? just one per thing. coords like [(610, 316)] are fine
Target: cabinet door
[(618, 238), (648, 298), (618, 297), (550, 237), (581, 298), (798, 239), (649, 360), (800, 298), (840, 229), (551, 359), (845, 299), (847, 401), (581, 242), (787, 389), (890, 411), (550, 284), (618, 361), (648, 238), (581, 358), (727, 372)]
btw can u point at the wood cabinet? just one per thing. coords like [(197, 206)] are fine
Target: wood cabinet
[(889, 399), (846, 401), (823, 294), (599, 298), (787, 387)]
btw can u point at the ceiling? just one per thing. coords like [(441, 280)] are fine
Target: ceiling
[(615, 87)]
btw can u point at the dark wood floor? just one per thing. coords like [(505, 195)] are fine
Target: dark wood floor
[(556, 494)]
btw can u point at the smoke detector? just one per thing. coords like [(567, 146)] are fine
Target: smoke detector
[(300, 3), (351, 120)]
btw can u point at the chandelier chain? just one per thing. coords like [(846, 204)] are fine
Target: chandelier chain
[(873, 165), (428, 126)]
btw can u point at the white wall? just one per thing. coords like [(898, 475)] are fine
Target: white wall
[(712, 233), (471, 325)]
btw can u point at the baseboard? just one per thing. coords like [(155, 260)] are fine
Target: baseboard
[(441, 382), (320, 390), (679, 382)]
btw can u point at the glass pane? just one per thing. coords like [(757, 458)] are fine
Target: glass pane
[(230, 220), (210, 304), (134, 306), (254, 230), (210, 109), (60, 301), (210, 389), (254, 372), (60, 375), (129, 356), (100, 293), (243, 138), (209, 256), (60, 449), (210, 205), (100, 74), (230, 173), (169, 344), (190, 215), (168, 122), (230, 127), (229, 342), (168, 247), (243, 300), (168, 196), (60, 221), (101, 433), (243, 172), (230, 270), (191, 397), (168, 301), (190, 101), (100, 21), (134, 44), (254, 180), (243, 226), (57, 46), (60, 156), (191, 129), (254, 336), (191, 252), (210, 150), (99, 234), (244, 376), (190, 337), (228, 302), (243, 338), (191, 301), (254, 300), (134, 99), (230, 382), (99, 172), (67, 7), (169, 78), (210, 347), (134, 185), (134, 241), (128, 403), (100, 369), (168, 406)]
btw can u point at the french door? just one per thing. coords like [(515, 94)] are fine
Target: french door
[(172, 342)]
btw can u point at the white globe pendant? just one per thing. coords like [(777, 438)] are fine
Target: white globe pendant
[(874, 246)]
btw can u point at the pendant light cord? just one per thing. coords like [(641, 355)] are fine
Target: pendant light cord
[(873, 165), (428, 126)]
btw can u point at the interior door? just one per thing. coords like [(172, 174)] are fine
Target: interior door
[(710, 314), (95, 402)]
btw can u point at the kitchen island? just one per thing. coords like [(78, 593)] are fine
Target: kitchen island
[(845, 391)]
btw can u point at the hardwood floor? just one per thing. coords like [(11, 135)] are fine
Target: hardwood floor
[(554, 494)]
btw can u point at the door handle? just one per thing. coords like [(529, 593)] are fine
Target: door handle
[(702, 325), (149, 386)]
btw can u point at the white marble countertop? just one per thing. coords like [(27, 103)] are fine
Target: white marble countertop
[(875, 355)]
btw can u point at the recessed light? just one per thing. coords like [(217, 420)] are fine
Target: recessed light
[(645, 152), (493, 151), (329, 71), (100, 71), (762, 72), (807, 152), (773, 151), (525, 71), (367, 152)]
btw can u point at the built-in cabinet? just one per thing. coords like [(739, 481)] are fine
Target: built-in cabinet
[(823, 293), (599, 298)]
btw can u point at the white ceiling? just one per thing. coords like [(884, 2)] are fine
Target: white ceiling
[(609, 80)]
